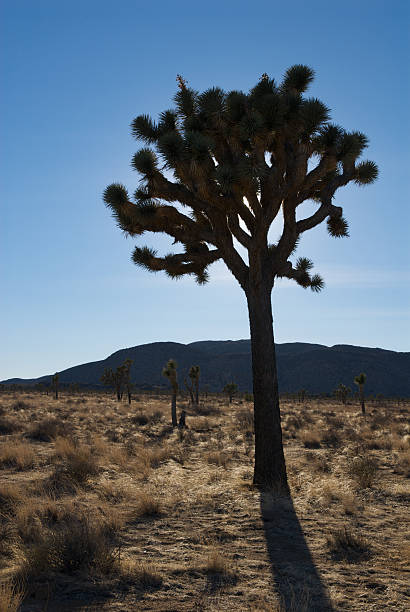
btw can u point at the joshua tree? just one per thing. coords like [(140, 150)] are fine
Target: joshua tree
[(360, 381), (194, 374), (118, 379), (54, 383), (342, 392), (230, 389), (170, 372), (302, 396), (239, 161)]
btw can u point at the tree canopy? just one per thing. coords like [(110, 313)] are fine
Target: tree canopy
[(231, 162)]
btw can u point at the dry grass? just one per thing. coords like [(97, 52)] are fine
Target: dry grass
[(11, 596), (114, 510), (19, 455), (344, 544)]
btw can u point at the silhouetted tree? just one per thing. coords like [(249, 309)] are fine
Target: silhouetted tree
[(119, 379), (360, 382), (230, 389), (194, 373), (55, 383), (170, 372), (342, 392), (240, 161)]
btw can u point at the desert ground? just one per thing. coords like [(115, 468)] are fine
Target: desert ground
[(103, 506)]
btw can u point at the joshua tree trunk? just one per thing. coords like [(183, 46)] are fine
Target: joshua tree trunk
[(361, 393), (270, 469), (197, 392), (174, 408)]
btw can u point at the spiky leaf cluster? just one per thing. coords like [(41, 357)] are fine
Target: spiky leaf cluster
[(237, 160)]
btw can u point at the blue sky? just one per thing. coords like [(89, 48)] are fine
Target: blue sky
[(73, 76)]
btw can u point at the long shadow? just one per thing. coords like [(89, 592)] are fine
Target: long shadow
[(296, 578)]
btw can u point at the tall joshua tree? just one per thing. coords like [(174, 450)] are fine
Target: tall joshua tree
[(360, 382), (170, 372), (221, 168)]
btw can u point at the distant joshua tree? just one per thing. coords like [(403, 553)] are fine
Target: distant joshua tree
[(216, 173), (342, 392), (360, 382), (230, 389), (119, 379), (54, 384), (194, 374), (170, 372)]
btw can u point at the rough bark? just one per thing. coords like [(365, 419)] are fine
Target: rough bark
[(270, 468), (174, 409), (362, 399)]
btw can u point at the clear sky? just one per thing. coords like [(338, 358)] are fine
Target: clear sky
[(74, 73)]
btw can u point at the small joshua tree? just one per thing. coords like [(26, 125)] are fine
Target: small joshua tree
[(194, 374), (119, 379), (54, 383), (342, 392), (230, 389), (222, 167), (360, 382), (170, 372)]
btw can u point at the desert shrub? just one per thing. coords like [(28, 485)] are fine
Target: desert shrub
[(207, 410), (331, 438), (218, 457), (140, 419), (8, 426), (319, 462), (18, 455), (379, 420), (48, 429), (403, 463), (142, 575), (21, 405), (10, 497), (245, 419), (310, 439), (219, 573), (78, 544), (336, 422), (294, 422), (147, 505), (344, 544), (363, 470), (74, 470)]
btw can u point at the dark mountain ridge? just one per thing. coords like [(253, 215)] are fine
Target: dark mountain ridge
[(314, 367)]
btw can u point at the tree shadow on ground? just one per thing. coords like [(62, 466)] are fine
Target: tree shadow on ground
[(296, 578)]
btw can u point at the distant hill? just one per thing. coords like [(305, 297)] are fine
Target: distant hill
[(314, 367)]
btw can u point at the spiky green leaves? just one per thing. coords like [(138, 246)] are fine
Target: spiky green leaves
[(170, 372), (186, 100), (313, 114), (144, 128), (115, 195), (144, 258), (265, 86), (317, 283), (338, 227), (172, 148), (211, 104), (304, 264), (366, 173), (145, 162), (297, 78), (352, 144)]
